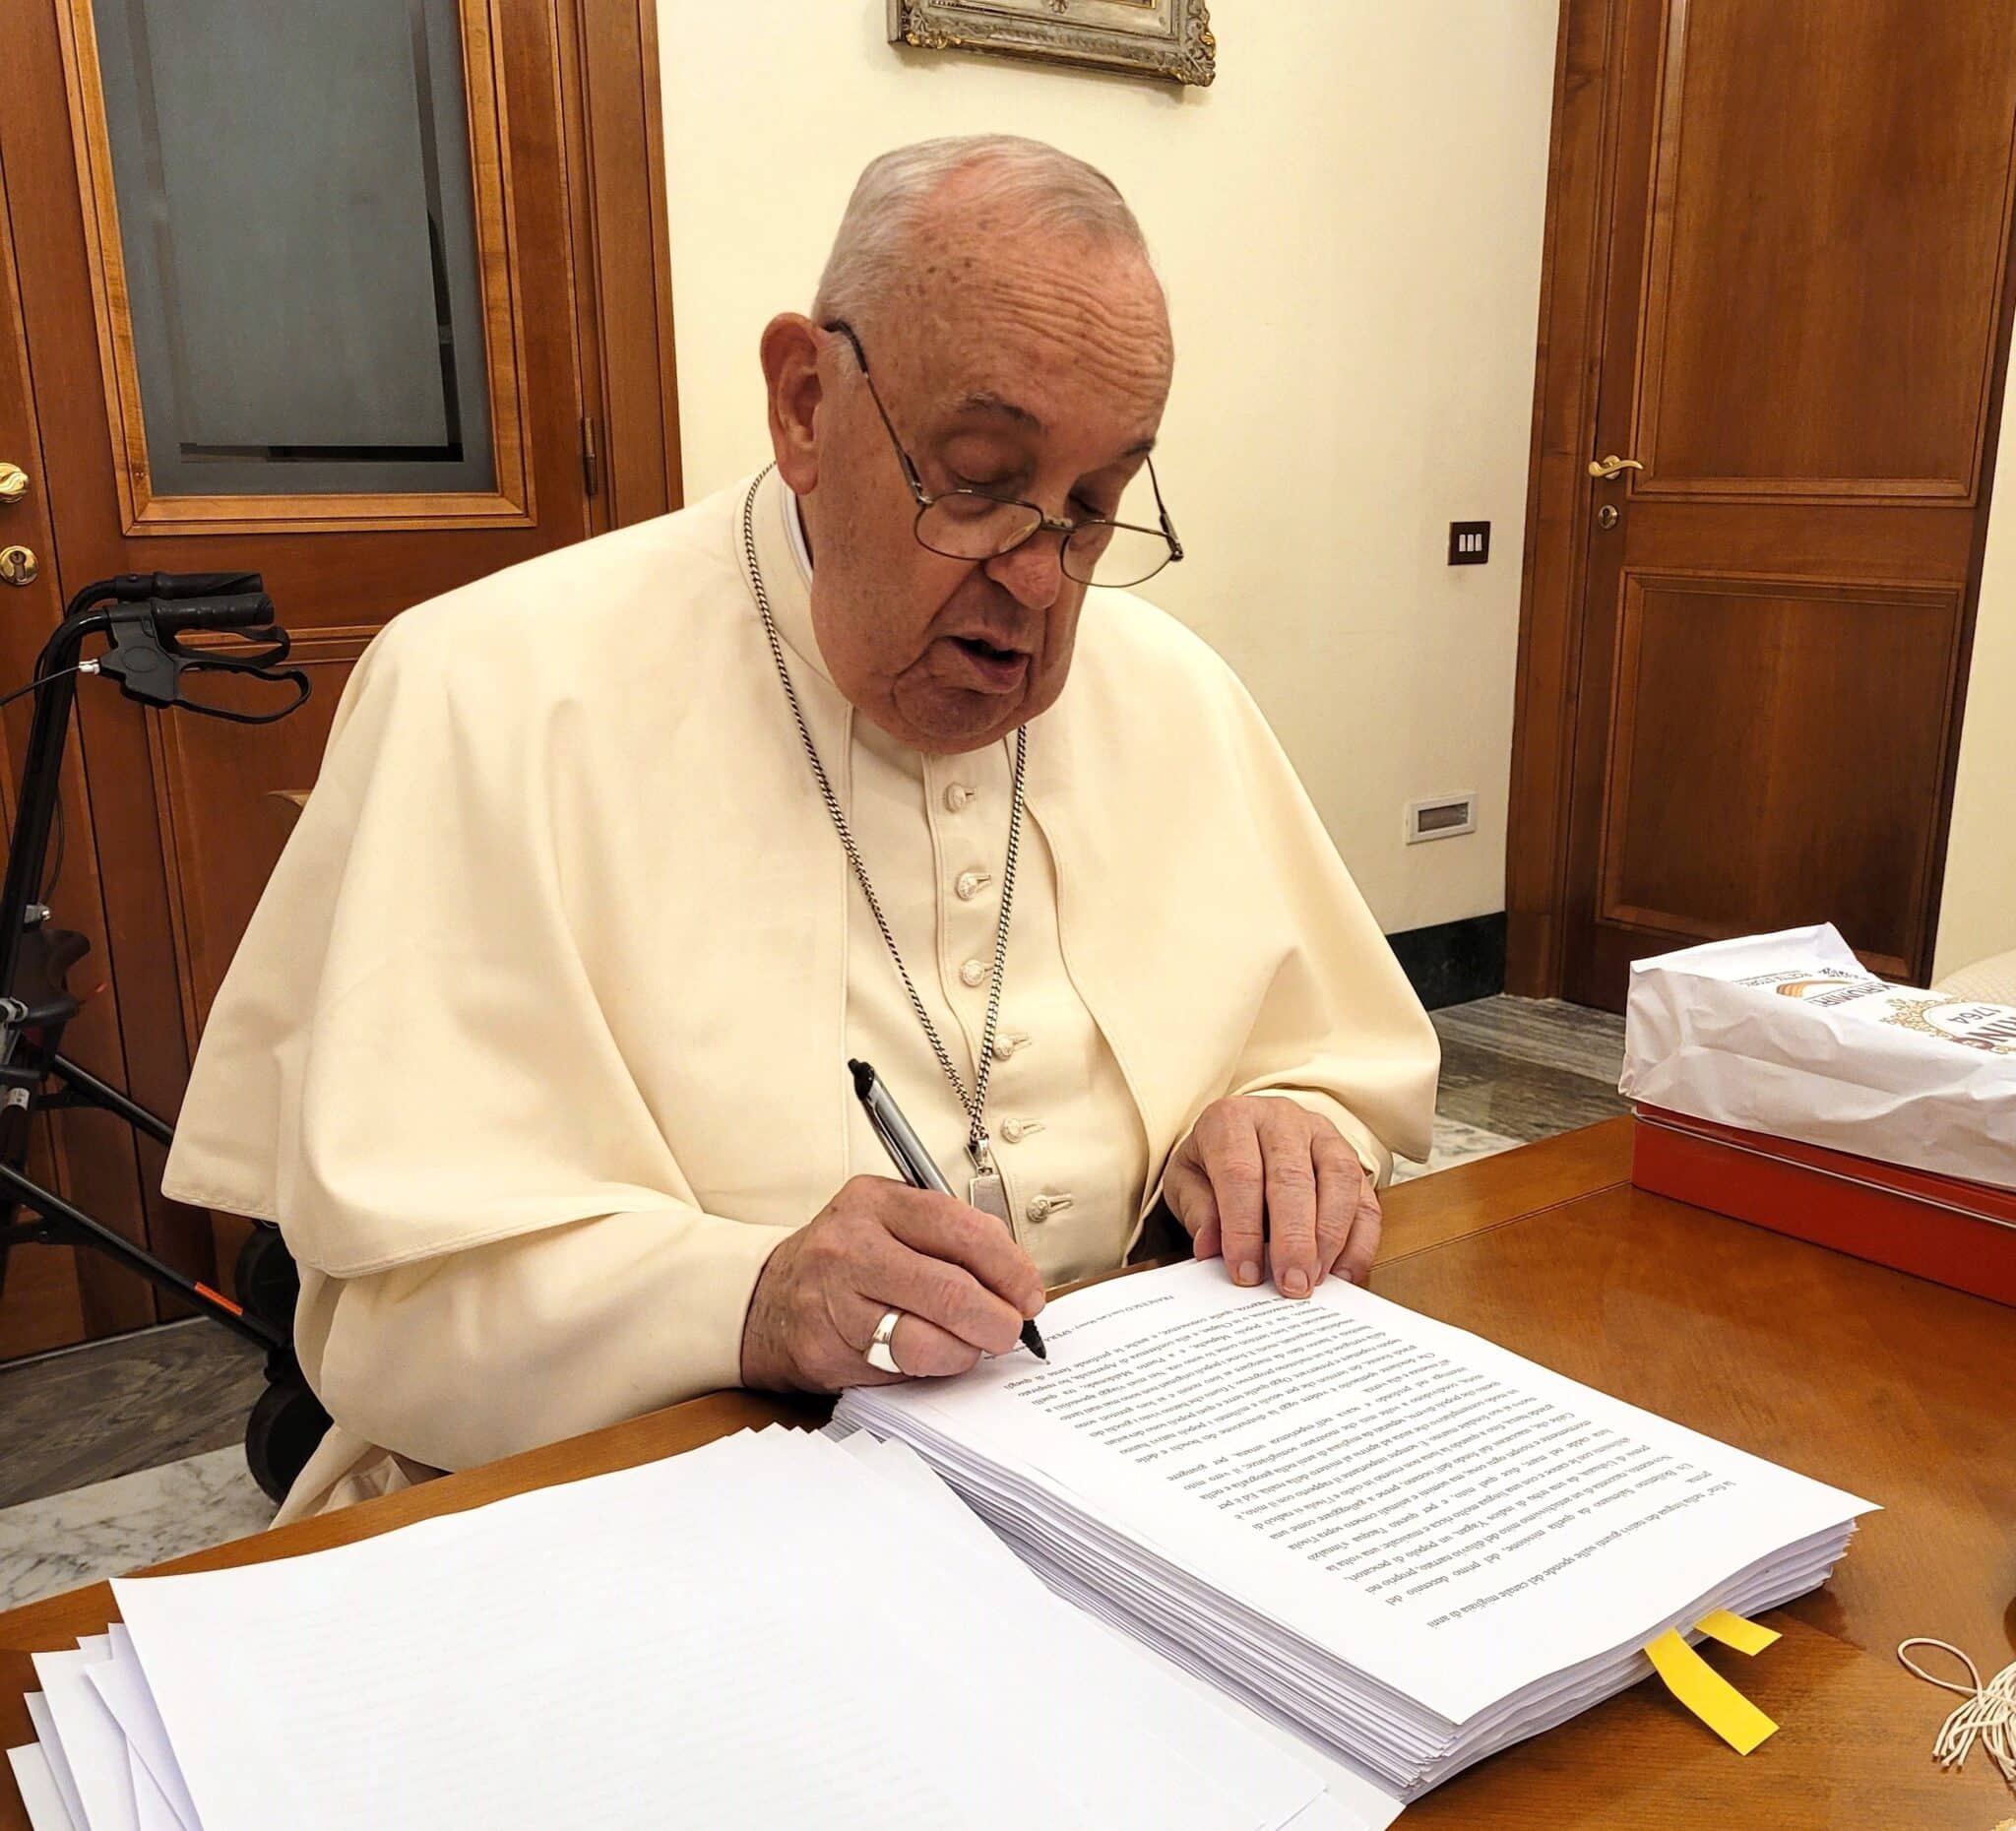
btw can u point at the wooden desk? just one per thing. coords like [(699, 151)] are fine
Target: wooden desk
[(1894, 1388)]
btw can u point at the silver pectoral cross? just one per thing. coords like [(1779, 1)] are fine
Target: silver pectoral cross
[(986, 1191)]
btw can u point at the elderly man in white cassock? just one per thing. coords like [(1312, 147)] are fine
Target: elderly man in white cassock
[(538, 1046)]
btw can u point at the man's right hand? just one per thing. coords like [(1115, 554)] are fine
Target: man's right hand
[(963, 1284)]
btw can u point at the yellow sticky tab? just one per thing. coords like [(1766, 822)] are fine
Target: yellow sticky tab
[(1733, 1631), (1708, 1694)]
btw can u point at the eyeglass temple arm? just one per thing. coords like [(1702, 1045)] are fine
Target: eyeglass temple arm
[(909, 470), (1169, 528)]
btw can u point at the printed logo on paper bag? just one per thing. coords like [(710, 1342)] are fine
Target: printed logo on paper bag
[(1821, 988), (1990, 1027)]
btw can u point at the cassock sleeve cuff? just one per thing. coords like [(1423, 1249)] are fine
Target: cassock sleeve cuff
[(1377, 1160), (715, 1301)]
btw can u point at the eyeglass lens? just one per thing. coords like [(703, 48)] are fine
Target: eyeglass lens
[(968, 527)]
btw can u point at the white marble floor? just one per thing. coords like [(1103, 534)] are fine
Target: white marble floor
[(113, 1527)]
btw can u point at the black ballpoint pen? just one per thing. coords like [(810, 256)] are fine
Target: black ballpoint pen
[(907, 1151)]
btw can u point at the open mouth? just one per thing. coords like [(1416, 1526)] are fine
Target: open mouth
[(995, 668), (986, 651)]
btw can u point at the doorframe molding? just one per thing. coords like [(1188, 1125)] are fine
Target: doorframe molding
[(1573, 294), (615, 156), (1574, 298)]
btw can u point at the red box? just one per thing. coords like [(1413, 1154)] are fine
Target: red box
[(1955, 1232)]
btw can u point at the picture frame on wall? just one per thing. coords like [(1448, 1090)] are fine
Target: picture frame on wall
[(1167, 38)]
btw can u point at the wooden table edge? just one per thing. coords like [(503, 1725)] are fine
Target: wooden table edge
[(1425, 1226)]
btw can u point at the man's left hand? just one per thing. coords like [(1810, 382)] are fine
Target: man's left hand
[(1266, 1182)]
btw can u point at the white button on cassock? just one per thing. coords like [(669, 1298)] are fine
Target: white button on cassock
[(973, 972), (1016, 1130), (970, 884), (1044, 1206), (1010, 1043), (957, 796)]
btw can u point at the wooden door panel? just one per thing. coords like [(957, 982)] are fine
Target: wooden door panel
[(1823, 540), (553, 268), (173, 827), (334, 565), (54, 1297), (51, 1296), (224, 823), (1772, 745), (43, 1306), (1803, 275), (89, 1157), (1830, 209)]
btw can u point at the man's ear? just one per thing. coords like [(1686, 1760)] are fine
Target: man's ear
[(791, 374)]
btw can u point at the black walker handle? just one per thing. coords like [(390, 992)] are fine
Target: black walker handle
[(131, 588), (245, 610)]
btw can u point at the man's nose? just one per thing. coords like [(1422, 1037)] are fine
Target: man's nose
[(1034, 572)]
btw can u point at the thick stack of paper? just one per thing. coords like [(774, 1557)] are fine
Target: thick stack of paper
[(771, 1631), (1412, 1546), (1373, 1549)]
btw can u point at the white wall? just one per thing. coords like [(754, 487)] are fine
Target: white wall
[(1349, 225), (1978, 912)]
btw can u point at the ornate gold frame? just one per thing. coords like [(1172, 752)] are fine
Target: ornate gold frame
[(1173, 39)]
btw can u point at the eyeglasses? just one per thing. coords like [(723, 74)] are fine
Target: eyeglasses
[(972, 525)]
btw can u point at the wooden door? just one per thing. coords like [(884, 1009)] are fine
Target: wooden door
[(321, 293), (1802, 246), (53, 1297)]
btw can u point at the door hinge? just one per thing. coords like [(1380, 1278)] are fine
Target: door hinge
[(591, 457)]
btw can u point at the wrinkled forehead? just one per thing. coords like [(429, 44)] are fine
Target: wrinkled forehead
[(1062, 338)]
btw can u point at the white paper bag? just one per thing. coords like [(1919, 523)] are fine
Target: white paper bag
[(1788, 1034)]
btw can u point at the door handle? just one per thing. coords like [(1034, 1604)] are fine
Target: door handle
[(1608, 470), (13, 482)]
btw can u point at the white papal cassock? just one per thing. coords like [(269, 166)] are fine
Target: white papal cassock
[(536, 1044)]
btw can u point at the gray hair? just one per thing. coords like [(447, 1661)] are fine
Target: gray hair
[(1048, 189)]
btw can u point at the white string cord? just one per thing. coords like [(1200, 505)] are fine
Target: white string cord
[(1988, 1715)]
